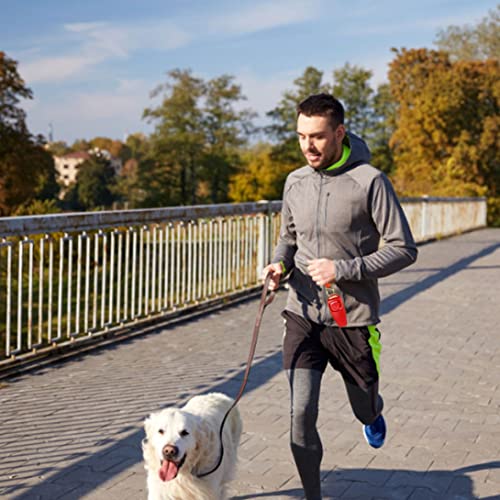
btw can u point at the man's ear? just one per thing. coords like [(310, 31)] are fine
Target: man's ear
[(340, 132)]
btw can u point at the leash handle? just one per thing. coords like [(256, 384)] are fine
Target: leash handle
[(265, 300)]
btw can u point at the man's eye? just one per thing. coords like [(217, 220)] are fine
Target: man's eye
[(184, 433)]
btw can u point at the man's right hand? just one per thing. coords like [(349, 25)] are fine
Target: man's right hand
[(275, 271)]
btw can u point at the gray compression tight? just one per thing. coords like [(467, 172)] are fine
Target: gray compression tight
[(304, 438)]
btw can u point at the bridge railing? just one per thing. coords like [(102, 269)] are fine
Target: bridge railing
[(66, 279)]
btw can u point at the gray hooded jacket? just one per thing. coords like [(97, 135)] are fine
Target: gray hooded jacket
[(342, 214)]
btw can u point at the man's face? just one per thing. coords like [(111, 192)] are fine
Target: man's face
[(320, 144)]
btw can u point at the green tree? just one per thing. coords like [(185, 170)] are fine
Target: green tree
[(352, 87), (284, 117), (227, 130), (383, 127), (472, 41), (94, 184), (198, 132), (178, 141)]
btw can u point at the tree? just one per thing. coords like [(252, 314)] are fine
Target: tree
[(258, 178), (131, 187), (27, 170), (94, 184), (382, 129), (448, 122), (178, 141), (369, 114), (197, 136), (351, 86), (227, 130), (472, 42), (58, 148), (284, 115)]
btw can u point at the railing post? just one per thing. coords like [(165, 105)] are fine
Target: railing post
[(424, 224), (264, 244)]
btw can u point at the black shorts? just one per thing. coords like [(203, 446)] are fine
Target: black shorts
[(354, 352)]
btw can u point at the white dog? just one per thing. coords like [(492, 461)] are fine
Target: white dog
[(182, 443)]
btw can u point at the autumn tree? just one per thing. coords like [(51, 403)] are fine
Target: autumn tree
[(258, 177), (131, 185), (448, 124), (27, 170)]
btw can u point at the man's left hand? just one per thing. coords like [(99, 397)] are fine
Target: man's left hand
[(322, 271)]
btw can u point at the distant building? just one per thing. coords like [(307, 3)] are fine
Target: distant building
[(68, 165)]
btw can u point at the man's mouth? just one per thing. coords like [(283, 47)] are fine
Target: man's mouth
[(313, 156), (169, 469)]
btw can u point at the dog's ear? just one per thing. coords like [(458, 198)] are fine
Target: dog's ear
[(148, 450)]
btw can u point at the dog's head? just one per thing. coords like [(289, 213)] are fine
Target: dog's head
[(170, 441)]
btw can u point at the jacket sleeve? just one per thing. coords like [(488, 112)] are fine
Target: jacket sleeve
[(398, 249), (286, 247)]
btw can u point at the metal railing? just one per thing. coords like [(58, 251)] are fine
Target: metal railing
[(71, 278)]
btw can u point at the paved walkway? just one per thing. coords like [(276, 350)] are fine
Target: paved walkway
[(73, 430)]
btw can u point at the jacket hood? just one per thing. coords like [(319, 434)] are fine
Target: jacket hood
[(360, 153)]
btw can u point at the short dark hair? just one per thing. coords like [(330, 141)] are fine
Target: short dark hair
[(322, 105)]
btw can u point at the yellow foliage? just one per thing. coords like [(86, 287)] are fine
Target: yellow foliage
[(258, 178), (447, 137)]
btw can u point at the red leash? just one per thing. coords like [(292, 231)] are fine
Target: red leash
[(265, 300)]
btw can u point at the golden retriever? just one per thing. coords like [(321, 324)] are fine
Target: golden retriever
[(182, 443)]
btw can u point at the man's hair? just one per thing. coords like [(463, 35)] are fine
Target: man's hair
[(323, 105)]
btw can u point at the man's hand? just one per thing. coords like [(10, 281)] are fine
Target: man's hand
[(275, 271), (322, 271)]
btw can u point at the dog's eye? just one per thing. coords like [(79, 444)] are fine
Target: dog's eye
[(184, 433), (161, 431)]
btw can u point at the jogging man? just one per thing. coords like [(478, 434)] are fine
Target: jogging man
[(336, 210)]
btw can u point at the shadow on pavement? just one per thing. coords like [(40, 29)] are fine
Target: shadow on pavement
[(365, 484), (392, 301)]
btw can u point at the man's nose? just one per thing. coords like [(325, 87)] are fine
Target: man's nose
[(308, 143)]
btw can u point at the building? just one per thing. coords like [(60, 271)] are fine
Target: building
[(68, 165)]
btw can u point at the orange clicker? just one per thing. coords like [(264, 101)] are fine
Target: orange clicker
[(336, 305)]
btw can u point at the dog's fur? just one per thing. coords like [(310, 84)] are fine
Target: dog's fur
[(193, 432)]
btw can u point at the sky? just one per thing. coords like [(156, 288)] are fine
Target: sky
[(92, 65)]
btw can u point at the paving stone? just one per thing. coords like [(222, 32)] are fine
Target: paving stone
[(73, 429)]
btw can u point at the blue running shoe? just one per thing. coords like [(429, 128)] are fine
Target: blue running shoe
[(375, 433)]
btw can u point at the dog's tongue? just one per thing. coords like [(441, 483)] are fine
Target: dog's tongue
[(168, 470)]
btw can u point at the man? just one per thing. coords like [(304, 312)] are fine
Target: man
[(335, 211)]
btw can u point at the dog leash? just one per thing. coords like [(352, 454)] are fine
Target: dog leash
[(265, 300)]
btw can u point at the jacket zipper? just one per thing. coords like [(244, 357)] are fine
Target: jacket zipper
[(318, 221)]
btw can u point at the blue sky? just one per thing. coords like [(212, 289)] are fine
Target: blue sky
[(92, 64)]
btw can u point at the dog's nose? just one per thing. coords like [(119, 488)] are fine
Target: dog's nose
[(170, 451)]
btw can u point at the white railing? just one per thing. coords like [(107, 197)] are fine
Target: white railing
[(432, 218), (70, 278)]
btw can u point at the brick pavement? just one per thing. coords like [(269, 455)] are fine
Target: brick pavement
[(72, 430)]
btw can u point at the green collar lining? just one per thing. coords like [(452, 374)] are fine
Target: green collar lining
[(346, 151)]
